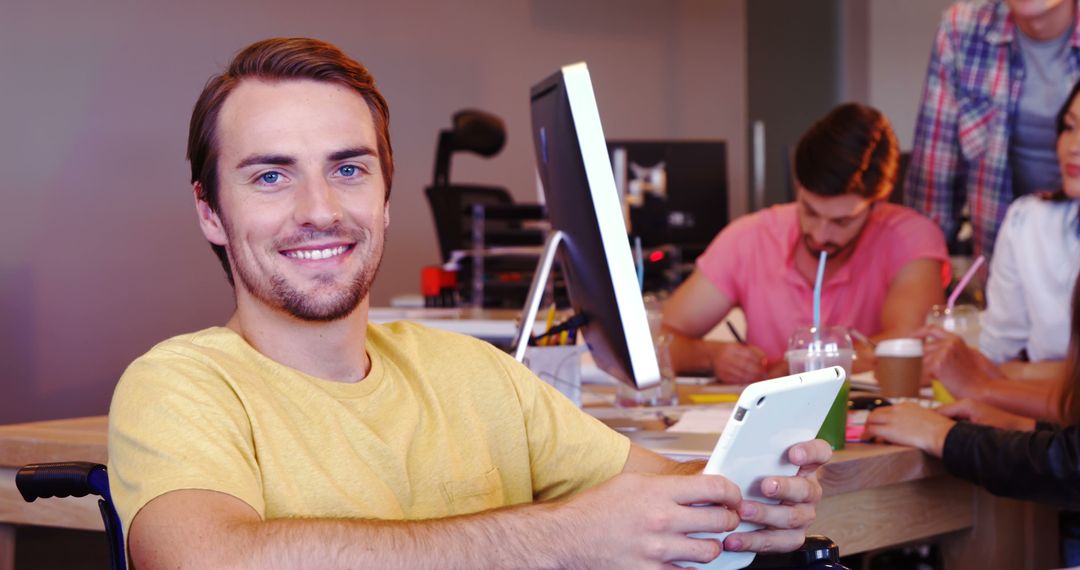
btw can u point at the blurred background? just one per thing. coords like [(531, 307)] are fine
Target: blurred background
[(101, 257)]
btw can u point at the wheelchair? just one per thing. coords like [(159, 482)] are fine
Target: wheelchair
[(80, 478), (76, 479)]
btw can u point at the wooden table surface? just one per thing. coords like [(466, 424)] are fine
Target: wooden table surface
[(875, 496)]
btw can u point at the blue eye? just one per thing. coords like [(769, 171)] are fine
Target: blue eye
[(270, 177), (349, 170)]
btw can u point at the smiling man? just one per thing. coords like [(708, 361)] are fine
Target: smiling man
[(887, 265), (299, 435)]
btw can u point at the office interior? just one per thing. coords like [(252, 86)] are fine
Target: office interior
[(102, 255)]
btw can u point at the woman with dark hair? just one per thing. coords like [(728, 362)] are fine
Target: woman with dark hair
[(1036, 259), (1024, 330), (1003, 447), (1013, 453)]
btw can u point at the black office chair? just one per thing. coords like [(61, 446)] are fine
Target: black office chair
[(80, 478), (76, 479), (502, 222), (451, 204)]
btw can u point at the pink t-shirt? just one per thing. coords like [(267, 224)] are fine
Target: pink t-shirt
[(752, 262)]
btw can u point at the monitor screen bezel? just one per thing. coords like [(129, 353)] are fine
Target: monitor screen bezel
[(616, 329)]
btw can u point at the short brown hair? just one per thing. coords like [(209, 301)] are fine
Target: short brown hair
[(852, 150), (277, 59)]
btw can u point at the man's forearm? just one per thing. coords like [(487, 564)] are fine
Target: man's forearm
[(535, 536), (690, 355)]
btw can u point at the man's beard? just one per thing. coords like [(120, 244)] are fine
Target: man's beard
[(279, 293), (833, 249)]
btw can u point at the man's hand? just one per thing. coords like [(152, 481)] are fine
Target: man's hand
[(785, 524), (985, 414), (642, 521), (963, 370), (910, 424), (735, 363)]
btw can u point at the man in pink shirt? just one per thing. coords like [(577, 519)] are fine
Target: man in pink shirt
[(887, 265)]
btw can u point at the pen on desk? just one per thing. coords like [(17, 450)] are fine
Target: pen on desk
[(735, 332)]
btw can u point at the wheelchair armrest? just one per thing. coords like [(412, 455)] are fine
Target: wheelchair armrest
[(68, 479)]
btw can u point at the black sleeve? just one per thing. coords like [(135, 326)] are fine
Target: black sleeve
[(1043, 465)]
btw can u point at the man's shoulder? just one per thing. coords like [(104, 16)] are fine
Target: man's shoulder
[(416, 333), (196, 345), (199, 363), (772, 221), (901, 232), (411, 340)]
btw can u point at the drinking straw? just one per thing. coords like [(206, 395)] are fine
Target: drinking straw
[(964, 281), (817, 293)]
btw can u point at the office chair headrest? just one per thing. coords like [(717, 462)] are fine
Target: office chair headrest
[(477, 131)]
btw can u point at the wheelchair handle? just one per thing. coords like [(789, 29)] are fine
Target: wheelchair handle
[(70, 479)]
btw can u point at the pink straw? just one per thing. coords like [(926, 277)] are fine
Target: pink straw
[(964, 281)]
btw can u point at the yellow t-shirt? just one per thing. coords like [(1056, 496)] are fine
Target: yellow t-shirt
[(442, 425)]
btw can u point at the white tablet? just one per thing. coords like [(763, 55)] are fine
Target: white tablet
[(769, 418)]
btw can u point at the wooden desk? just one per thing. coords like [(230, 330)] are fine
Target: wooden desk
[(876, 496)]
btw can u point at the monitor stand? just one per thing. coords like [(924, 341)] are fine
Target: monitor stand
[(536, 293)]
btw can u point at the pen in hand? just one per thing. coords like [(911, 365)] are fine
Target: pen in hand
[(735, 332)]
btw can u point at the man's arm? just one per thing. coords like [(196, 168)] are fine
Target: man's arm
[(695, 308), (915, 289), (631, 520), (634, 519)]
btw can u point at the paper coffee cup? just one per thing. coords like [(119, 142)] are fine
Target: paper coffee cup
[(898, 366)]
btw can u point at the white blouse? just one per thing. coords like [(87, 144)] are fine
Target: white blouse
[(1032, 274)]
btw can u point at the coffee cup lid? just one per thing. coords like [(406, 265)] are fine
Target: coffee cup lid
[(899, 347)]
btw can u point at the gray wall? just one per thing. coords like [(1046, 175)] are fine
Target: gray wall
[(101, 256), (900, 37), (794, 76)]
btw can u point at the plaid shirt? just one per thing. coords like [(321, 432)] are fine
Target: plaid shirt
[(968, 111)]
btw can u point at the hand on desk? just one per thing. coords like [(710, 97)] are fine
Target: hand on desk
[(735, 363), (911, 425)]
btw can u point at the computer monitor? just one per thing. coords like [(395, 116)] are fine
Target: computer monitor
[(582, 203), (678, 189)]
